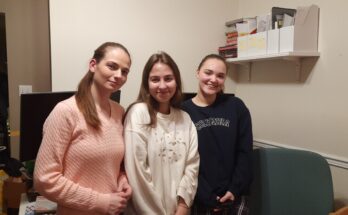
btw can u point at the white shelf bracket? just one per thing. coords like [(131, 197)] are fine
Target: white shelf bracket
[(298, 65), (247, 67), (298, 68), (294, 57)]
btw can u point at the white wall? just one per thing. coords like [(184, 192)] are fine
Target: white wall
[(27, 40), (187, 30), (310, 114)]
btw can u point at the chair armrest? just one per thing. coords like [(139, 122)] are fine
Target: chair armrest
[(341, 211)]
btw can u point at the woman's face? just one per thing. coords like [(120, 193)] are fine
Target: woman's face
[(111, 72), (211, 76), (162, 84)]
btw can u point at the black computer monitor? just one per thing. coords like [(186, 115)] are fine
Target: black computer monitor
[(190, 95), (34, 109)]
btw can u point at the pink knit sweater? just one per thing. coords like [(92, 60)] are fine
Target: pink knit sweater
[(76, 166)]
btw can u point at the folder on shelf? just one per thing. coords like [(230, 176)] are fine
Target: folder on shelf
[(279, 11)]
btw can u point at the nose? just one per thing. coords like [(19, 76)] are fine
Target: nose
[(213, 78), (162, 84), (118, 73)]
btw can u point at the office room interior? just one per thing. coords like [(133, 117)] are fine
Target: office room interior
[(49, 44)]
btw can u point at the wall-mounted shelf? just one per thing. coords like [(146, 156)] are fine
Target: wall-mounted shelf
[(296, 57)]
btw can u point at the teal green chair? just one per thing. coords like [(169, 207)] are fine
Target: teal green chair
[(290, 182)]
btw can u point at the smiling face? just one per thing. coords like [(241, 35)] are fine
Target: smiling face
[(211, 76), (162, 85), (110, 73)]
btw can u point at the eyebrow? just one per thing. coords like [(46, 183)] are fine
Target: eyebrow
[(160, 75), (115, 63)]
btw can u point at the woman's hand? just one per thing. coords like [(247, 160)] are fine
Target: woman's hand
[(124, 187), (228, 196), (117, 204), (182, 208)]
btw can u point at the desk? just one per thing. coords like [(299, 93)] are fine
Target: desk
[(27, 208)]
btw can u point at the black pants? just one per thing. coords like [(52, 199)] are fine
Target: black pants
[(240, 207)]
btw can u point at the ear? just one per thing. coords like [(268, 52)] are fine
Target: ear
[(197, 74), (92, 65)]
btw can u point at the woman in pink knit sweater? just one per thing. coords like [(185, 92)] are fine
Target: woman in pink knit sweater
[(79, 161)]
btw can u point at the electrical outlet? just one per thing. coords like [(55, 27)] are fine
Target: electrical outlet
[(25, 89)]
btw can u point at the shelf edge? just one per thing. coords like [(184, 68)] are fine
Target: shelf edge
[(273, 56)]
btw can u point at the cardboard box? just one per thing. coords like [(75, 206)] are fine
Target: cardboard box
[(12, 193), (3, 177), (257, 44), (273, 41), (303, 35)]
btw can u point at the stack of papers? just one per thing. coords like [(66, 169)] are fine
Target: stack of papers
[(44, 206)]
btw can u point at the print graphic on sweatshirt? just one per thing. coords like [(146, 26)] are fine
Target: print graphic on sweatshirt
[(172, 146), (212, 121)]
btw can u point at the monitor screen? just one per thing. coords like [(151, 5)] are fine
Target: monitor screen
[(34, 109), (190, 95)]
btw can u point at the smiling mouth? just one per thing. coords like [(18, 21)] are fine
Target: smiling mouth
[(163, 94), (212, 86), (113, 82)]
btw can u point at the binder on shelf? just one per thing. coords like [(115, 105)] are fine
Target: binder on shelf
[(235, 21), (263, 23), (278, 11)]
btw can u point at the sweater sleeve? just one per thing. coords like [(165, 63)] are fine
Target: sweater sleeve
[(205, 193), (49, 179), (145, 199), (188, 184), (243, 172)]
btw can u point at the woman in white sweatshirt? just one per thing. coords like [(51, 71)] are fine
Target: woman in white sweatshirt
[(162, 159)]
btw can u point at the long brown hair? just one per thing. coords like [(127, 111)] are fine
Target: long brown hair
[(83, 96), (144, 92)]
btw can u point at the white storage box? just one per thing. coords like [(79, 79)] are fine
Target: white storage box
[(286, 42), (243, 46), (273, 41), (257, 44)]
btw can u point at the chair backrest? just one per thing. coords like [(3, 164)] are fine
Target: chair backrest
[(290, 182)]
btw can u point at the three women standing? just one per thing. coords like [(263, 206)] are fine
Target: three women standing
[(80, 159)]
